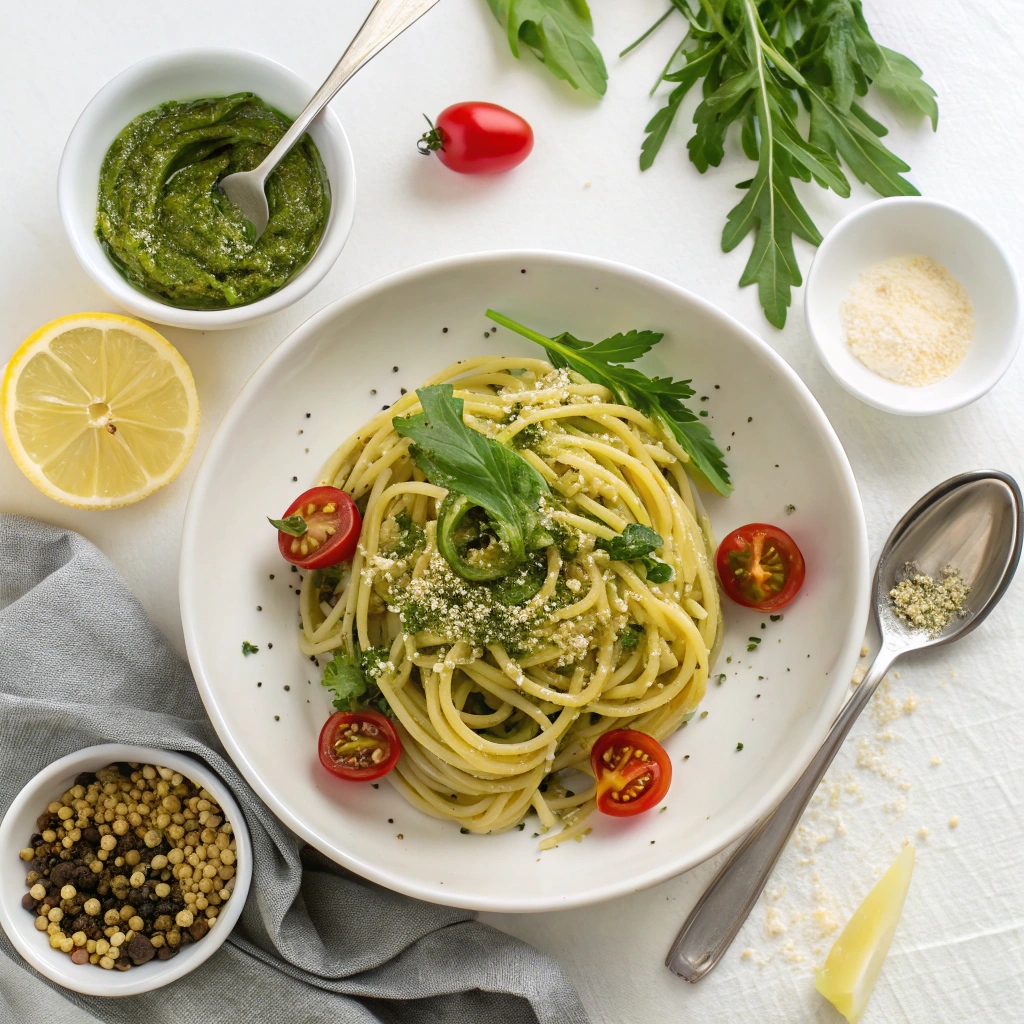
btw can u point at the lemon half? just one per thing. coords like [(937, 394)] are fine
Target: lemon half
[(856, 959), (99, 410)]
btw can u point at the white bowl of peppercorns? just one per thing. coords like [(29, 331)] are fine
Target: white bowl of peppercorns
[(122, 868)]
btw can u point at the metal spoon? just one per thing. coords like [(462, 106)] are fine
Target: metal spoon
[(972, 522), (387, 20)]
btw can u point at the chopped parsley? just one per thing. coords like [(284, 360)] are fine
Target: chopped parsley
[(248, 648), (752, 642), (739, 746)]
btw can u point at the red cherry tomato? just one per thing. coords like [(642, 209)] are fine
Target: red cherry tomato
[(760, 566), (359, 745), (323, 527), (478, 138), (633, 772)]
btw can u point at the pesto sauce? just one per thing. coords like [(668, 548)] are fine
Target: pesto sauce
[(173, 234)]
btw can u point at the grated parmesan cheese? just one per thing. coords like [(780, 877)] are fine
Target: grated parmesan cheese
[(908, 320)]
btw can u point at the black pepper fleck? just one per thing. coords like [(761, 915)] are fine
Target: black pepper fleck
[(394, 369), (295, 479), (259, 607), (444, 330), (277, 718), (308, 414), (287, 687)]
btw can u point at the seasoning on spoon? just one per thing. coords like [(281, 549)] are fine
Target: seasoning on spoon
[(908, 320), (927, 603)]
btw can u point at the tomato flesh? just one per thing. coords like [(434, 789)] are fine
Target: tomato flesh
[(633, 772), (478, 138), (760, 566), (359, 745), (332, 529)]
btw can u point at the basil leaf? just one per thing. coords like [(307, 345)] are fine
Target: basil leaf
[(560, 34), (477, 471), (294, 526), (658, 572), (634, 542)]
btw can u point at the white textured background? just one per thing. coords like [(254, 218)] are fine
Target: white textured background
[(959, 953)]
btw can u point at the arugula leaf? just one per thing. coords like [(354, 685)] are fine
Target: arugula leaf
[(344, 675), (660, 398), (634, 542), (478, 472), (756, 60), (294, 526), (560, 34)]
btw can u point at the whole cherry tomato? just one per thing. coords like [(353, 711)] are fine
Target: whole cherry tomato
[(320, 528), (359, 745), (633, 772), (478, 138), (760, 566)]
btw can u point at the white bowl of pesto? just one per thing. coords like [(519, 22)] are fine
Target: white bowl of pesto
[(183, 76), (914, 306)]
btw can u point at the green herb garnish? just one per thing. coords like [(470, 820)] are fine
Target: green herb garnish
[(752, 642), (635, 541), (294, 526), (629, 638), (739, 746), (344, 676), (759, 61), (560, 33), (248, 648), (353, 679), (660, 398), (479, 474)]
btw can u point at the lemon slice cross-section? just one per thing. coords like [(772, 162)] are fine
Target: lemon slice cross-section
[(856, 959), (99, 410)]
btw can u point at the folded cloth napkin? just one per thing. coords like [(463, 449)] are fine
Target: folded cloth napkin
[(81, 664)]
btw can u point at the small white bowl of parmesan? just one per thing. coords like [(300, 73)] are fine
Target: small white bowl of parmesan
[(914, 306)]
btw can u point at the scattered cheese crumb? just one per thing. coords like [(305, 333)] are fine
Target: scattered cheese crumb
[(924, 832), (954, 821), (936, 759)]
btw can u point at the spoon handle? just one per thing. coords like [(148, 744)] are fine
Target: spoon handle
[(727, 902), (387, 20)]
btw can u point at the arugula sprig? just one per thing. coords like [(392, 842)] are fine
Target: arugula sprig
[(560, 33), (660, 398), (758, 62), (479, 473)]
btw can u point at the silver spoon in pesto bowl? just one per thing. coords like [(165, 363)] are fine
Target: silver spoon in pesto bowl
[(943, 569), (387, 20)]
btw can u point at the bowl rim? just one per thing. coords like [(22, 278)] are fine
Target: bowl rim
[(96, 982), (189, 574), (103, 273), (984, 382)]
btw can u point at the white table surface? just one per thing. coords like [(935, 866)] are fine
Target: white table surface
[(959, 952)]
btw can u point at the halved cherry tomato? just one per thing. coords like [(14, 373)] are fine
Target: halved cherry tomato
[(359, 745), (478, 138), (331, 530), (633, 772), (760, 566)]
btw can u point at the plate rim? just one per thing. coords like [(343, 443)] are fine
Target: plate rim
[(433, 892)]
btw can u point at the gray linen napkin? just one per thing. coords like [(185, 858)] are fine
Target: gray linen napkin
[(80, 664)]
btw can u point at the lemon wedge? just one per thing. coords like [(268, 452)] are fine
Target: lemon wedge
[(99, 410), (854, 962)]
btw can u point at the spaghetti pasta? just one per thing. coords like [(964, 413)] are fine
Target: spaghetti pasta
[(500, 688)]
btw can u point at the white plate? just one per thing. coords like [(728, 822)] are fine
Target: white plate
[(318, 386)]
